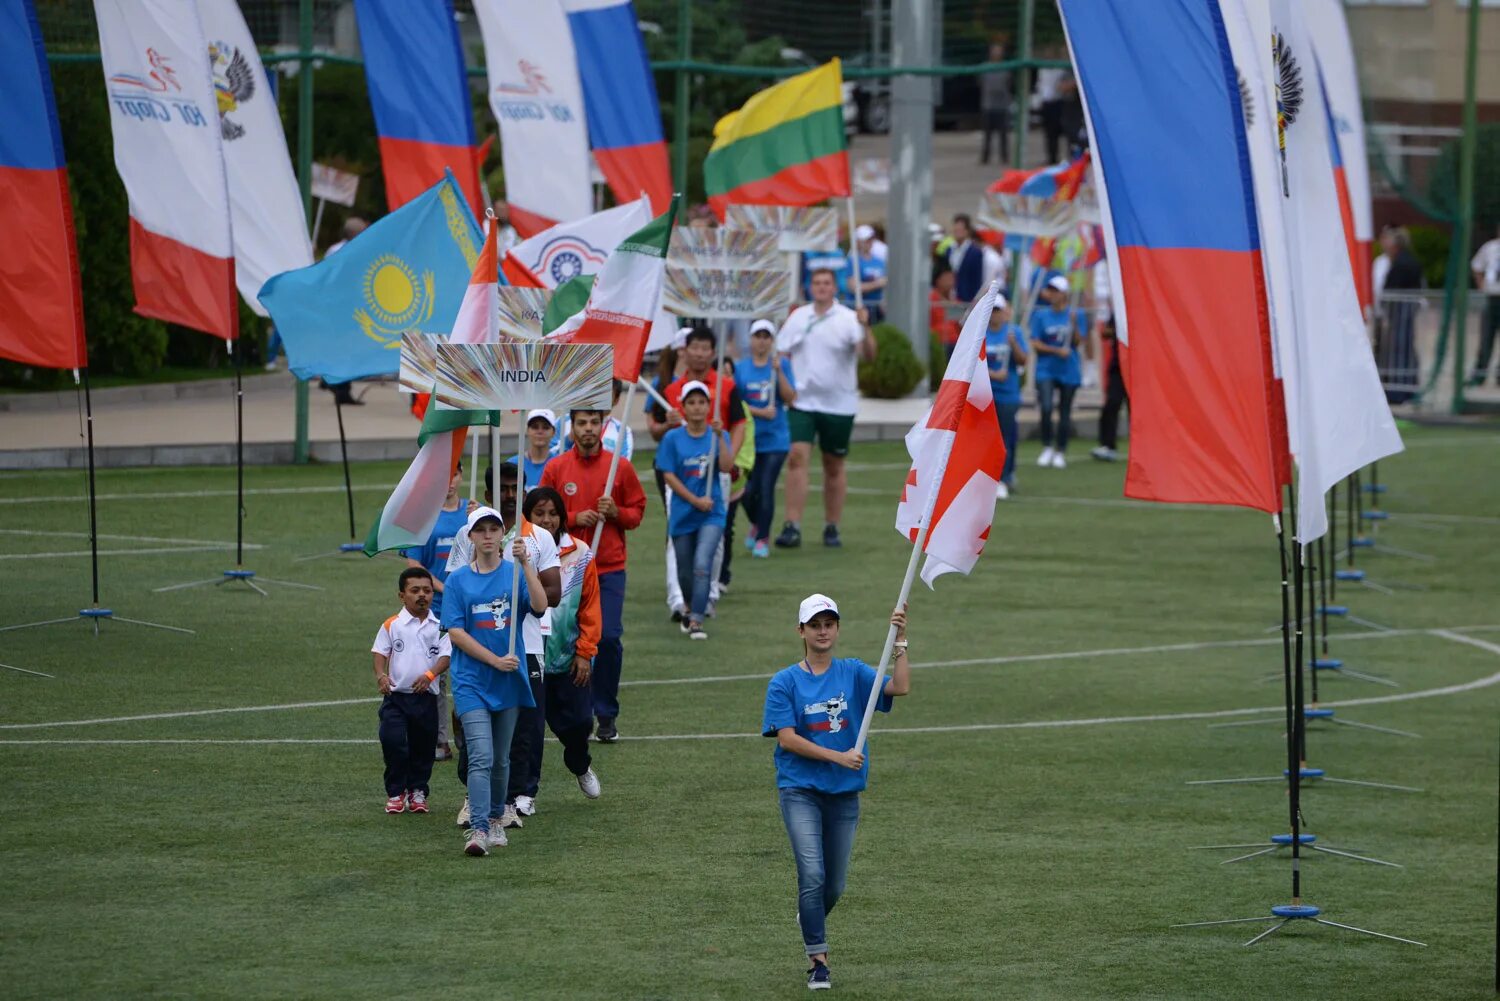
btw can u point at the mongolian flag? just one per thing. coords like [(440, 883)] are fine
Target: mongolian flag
[(419, 91), (957, 457), (619, 93), (784, 147), (164, 115), (1162, 103), (41, 303)]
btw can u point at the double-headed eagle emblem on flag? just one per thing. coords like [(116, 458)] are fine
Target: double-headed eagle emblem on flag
[(234, 84)]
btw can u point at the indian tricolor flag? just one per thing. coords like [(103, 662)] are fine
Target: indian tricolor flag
[(957, 457), (784, 147), (410, 515), (623, 300)]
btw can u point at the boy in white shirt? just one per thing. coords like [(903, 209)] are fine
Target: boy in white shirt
[(411, 654)]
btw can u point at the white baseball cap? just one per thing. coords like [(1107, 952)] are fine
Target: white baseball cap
[(544, 414), (478, 515), (680, 340), (1058, 283), (694, 385), (760, 325), (812, 605), (865, 232), (1001, 302)]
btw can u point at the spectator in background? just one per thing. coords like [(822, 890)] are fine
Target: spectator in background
[(1486, 268), (940, 315), (995, 100), (1114, 394), (878, 248), (1069, 120), (825, 342), (1005, 356), (1396, 346), (767, 384), (1056, 335), (871, 275), (1049, 100), (966, 258)]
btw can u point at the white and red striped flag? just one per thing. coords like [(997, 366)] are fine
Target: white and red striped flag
[(957, 457)]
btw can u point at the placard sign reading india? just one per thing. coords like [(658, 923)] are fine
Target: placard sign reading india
[(725, 273), (509, 375), (795, 228)]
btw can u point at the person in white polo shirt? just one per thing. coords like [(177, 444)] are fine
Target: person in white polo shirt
[(411, 654), (825, 342)]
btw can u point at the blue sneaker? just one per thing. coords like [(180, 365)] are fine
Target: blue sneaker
[(762, 550), (817, 977), (750, 540)]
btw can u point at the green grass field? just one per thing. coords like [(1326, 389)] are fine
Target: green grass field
[(1025, 833)]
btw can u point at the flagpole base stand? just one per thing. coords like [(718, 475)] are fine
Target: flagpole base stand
[(1349, 575), (94, 616), (1311, 778), (1375, 515), (1361, 542), (1315, 716), (1375, 488), (1327, 664), (1339, 610), (344, 549), (1336, 666), (240, 576), (1284, 914), (1277, 842)]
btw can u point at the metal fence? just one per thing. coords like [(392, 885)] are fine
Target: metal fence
[(1425, 372)]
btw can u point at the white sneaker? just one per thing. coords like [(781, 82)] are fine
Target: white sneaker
[(476, 843), (1058, 462), (496, 837), (1045, 459), (463, 814), (510, 818), (1002, 492), (526, 806), (589, 783), (1105, 454)]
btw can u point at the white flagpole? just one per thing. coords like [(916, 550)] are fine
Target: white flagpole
[(614, 463), (859, 295), (713, 412), (515, 577), (890, 635), (474, 466), (652, 392)]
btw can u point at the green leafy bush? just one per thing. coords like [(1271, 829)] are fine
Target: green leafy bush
[(895, 370)]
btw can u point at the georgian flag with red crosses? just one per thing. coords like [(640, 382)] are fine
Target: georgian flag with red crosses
[(957, 458)]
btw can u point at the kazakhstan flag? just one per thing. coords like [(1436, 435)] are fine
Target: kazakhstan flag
[(343, 317)]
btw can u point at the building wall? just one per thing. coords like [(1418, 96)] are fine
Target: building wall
[(1411, 58)]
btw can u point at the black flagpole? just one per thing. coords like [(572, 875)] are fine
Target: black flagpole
[(338, 408), (1293, 686), (88, 410), (239, 458)]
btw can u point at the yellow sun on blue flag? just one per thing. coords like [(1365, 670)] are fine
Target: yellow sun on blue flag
[(343, 317)]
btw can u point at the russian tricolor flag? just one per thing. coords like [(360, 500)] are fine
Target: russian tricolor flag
[(41, 302), (419, 91), (619, 95), (1162, 102)]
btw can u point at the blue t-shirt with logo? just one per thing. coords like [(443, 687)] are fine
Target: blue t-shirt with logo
[(433, 554), (1055, 327), (826, 709), (869, 270), (482, 605), (757, 385), (997, 353), (686, 456), (534, 470)]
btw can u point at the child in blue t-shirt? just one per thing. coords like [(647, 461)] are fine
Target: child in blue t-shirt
[(815, 710), (768, 388), (695, 508), (1057, 332), (479, 610), (1005, 356)]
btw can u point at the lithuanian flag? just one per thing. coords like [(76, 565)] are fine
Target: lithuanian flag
[(784, 147)]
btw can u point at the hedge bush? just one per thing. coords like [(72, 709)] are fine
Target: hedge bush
[(895, 371)]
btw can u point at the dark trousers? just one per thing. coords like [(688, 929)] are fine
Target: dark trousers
[(996, 123), (1010, 435), (1048, 391), (526, 742), (1052, 127), (570, 717), (760, 494), (408, 739), (1487, 329), (609, 662), (731, 512), (1114, 398)]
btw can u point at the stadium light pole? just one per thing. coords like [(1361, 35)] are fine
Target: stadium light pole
[(910, 205), (304, 183)]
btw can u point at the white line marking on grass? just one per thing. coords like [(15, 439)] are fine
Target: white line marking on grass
[(188, 494), (121, 538), (217, 548), (1045, 724), (1450, 632)]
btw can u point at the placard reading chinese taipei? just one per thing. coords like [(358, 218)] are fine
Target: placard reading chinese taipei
[(525, 375), (795, 228), (726, 273)]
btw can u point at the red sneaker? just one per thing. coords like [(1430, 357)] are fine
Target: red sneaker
[(396, 804), (416, 802)]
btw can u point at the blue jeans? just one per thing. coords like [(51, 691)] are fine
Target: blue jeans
[(759, 501), (487, 737), (610, 660), (821, 826), (695, 566), (1010, 433), (1045, 389)]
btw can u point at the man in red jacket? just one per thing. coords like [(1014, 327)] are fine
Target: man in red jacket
[(579, 474)]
